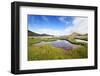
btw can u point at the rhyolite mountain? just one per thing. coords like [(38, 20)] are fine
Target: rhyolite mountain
[(30, 33)]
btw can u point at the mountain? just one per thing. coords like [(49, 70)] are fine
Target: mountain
[(78, 34), (85, 34), (45, 35), (30, 33), (75, 34)]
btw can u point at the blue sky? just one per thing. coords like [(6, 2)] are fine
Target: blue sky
[(53, 25)]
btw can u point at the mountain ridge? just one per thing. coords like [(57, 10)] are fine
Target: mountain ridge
[(30, 33)]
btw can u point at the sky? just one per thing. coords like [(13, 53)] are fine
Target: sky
[(57, 25)]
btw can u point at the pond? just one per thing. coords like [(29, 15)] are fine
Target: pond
[(59, 43)]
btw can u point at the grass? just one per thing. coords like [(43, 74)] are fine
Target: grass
[(73, 41), (83, 38), (44, 52), (49, 39), (37, 40), (33, 41), (49, 52)]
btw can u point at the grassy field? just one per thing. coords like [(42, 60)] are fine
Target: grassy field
[(37, 40), (49, 52)]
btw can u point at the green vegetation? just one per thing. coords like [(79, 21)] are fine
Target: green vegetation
[(72, 39), (48, 52), (33, 41), (49, 39), (83, 38), (37, 40)]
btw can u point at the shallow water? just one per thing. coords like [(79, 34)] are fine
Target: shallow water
[(59, 43)]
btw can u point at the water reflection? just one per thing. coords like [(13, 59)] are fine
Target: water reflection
[(59, 43)]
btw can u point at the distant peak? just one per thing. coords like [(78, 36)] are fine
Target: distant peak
[(75, 33), (31, 33)]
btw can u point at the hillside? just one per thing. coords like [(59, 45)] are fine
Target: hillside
[(75, 34), (30, 33)]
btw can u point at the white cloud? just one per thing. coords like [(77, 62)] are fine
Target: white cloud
[(80, 25), (63, 19)]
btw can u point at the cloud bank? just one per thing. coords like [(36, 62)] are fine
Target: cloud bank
[(80, 25)]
